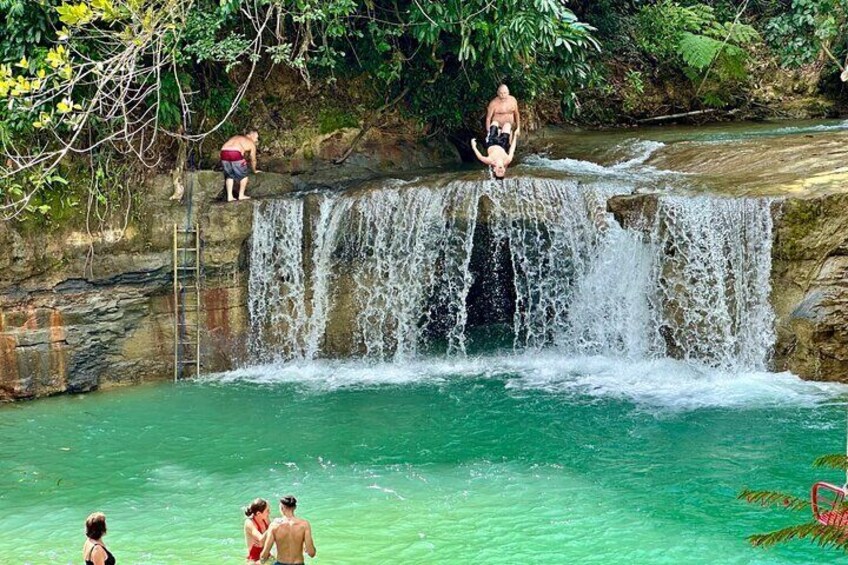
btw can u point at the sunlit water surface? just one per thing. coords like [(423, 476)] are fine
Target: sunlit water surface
[(536, 459)]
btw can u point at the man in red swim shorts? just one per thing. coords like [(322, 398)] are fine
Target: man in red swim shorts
[(234, 155)]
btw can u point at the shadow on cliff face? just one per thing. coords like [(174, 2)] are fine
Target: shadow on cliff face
[(461, 140), (490, 303)]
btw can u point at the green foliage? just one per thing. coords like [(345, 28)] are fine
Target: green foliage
[(834, 537), (833, 461), (331, 119), (699, 51), (207, 38), (823, 536), (768, 498), (28, 28), (635, 88), (660, 27), (169, 109), (40, 197), (712, 53), (799, 34), (448, 55)]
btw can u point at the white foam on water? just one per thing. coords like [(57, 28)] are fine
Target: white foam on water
[(632, 166), (721, 138), (665, 384), (671, 384), (813, 129)]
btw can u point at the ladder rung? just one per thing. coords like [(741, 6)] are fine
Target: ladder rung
[(187, 279)]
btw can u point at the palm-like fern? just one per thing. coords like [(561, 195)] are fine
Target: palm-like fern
[(833, 461), (824, 536), (698, 51), (702, 46), (771, 498), (835, 537), (720, 43)]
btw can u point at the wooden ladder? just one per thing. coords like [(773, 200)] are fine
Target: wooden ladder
[(187, 271)]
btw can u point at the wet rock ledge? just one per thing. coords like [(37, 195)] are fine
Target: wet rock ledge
[(73, 322)]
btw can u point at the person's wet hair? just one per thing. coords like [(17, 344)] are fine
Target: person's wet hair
[(258, 505), (95, 525), (289, 501)]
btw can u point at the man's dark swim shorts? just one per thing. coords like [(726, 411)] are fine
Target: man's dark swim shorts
[(497, 137)]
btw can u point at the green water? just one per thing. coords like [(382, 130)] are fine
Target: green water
[(538, 459)]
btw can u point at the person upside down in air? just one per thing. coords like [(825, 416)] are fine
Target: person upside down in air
[(500, 148), (503, 127)]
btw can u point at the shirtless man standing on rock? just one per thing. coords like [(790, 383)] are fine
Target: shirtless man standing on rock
[(292, 536), (234, 155), (503, 125), (503, 110)]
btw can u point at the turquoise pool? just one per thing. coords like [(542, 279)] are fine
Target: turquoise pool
[(503, 459)]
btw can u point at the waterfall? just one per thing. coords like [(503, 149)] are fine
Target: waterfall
[(395, 257), (277, 285), (383, 273), (714, 281)]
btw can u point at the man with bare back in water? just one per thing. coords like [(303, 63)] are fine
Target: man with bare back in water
[(292, 536), (503, 123)]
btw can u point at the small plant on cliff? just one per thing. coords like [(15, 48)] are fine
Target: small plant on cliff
[(825, 536)]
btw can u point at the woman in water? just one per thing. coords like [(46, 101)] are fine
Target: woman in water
[(93, 551), (258, 516)]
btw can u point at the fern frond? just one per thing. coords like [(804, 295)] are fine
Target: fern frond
[(732, 61), (698, 51), (735, 33), (832, 461), (824, 536), (768, 498), (696, 17)]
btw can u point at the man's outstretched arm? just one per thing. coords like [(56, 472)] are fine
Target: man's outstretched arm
[(484, 160)]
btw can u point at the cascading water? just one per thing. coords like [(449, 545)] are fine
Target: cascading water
[(277, 290), (390, 255), (389, 269), (714, 280)]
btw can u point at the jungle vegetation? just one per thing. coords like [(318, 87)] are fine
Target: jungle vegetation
[(115, 84)]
